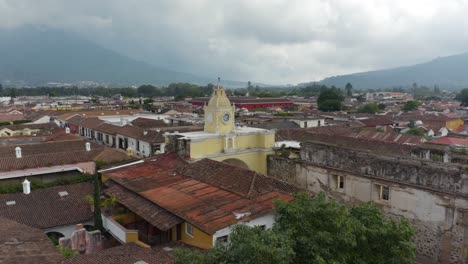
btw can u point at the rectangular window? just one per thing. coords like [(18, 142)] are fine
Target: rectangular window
[(383, 192), (138, 145), (337, 182), (222, 240), (189, 229), (340, 182)]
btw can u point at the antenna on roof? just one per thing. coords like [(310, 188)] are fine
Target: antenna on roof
[(219, 80)]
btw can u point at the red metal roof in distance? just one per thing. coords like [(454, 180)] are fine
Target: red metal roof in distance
[(205, 193)]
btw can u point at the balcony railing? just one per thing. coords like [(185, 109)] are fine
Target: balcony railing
[(118, 231)]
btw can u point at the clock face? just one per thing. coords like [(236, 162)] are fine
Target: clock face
[(226, 117), (209, 117)]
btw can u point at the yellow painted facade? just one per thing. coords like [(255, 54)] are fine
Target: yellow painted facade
[(222, 140), (219, 113), (454, 123), (199, 239), (256, 161)]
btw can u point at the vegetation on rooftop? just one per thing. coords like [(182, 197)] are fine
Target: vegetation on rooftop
[(315, 230), (14, 122), (35, 184)]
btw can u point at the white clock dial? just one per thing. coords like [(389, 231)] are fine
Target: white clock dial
[(209, 117), (226, 117)]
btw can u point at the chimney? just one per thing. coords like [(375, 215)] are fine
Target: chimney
[(145, 133), (88, 146), (67, 130), (121, 121), (26, 186), (18, 152)]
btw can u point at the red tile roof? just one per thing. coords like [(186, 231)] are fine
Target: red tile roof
[(205, 193), (128, 253), (389, 137), (54, 153), (26, 245), (45, 208), (450, 141)]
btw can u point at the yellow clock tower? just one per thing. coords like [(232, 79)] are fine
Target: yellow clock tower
[(219, 113), (221, 140)]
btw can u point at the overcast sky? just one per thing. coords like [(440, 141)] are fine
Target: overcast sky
[(271, 41)]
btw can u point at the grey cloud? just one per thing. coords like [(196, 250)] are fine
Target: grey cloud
[(278, 41)]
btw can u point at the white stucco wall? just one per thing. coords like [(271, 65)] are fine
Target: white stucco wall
[(266, 220), (67, 230)]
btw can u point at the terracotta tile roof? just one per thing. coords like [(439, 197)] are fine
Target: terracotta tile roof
[(45, 208), (76, 119), (67, 115), (450, 141), (53, 153), (129, 253), (107, 128), (146, 209), (376, 121), (26, 245), (49, 127), (303, 134), (91, 123), (205, 193), (111, 155), (148, 123), (388, 137), (246, 183), (383, 148), (142, 134)]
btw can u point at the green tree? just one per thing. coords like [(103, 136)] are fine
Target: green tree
[(382, 106), (462, 97), (380, 240), (349, 90), (369, 108), (148, 91), (415, 132), (436, 90), (330, 99), (97, 203), (316, 230), (411, 105), (13, 92), (246, 245), (334, 233)]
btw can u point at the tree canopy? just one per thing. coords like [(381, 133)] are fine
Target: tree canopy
[(411, 105), (349, 90), (462, 97), (369, 108), (318, 231), (330, 100)]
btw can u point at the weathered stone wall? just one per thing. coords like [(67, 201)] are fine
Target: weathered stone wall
[(444, 177), (282, 168), (431, 195)]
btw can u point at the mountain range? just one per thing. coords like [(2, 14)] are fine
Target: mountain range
[(34, 56), (446, 72)]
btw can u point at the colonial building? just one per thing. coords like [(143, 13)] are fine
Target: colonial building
[(55, 210), (425, 183), (165, 198), (222, 140), (249, 103)]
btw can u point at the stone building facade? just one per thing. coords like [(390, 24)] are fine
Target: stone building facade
[(432, 194)]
